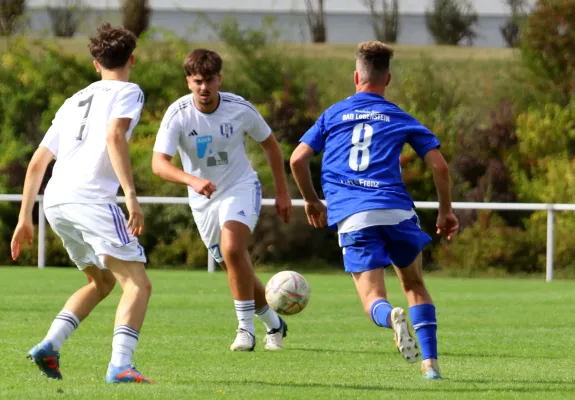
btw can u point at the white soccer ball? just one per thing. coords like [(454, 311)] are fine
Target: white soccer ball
[(287, 292)]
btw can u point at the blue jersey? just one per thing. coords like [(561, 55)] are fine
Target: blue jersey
[(362, 138)]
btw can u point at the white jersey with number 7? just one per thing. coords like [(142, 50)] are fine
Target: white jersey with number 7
[(83, 172)]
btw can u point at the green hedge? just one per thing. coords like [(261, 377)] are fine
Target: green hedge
[(501, 142)]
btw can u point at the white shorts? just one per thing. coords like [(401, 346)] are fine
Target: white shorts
[(90, 231), (240, 203)]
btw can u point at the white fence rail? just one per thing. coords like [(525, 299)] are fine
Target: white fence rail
[(550, 208)]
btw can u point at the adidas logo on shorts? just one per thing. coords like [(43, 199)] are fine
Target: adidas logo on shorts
[(242, 213)]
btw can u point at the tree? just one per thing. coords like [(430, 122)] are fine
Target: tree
[(10, 11), (451, 21), (547, 50), (386, 22), (136, 15), (66, 18), (316, 21), (511, 30)]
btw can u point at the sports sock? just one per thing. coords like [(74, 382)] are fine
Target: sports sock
[(425, 326), (123, 345), (381, 313), (64, 324), (245, 310), (269, 317)]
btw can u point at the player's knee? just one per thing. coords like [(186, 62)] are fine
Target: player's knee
[(413, 284), (107, 285), (232, 252)]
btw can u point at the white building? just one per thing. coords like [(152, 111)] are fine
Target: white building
[(347, 21)]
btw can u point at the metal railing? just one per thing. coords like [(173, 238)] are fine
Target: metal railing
[(550, 208)]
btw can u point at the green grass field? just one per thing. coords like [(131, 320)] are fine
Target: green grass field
[(498, 339)]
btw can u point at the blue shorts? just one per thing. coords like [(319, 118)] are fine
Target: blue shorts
[(379, 246)]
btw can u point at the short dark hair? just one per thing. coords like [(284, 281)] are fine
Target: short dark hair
[(203, 62), (374, 58), (112, 46)]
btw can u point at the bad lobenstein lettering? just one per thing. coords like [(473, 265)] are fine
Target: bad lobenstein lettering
[(367, 116)]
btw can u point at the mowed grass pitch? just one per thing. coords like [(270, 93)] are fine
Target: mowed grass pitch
[(498, 339)]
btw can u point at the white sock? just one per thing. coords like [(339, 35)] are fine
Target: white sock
[(123, 345), (61, 329), (269, 317), (245, 310)]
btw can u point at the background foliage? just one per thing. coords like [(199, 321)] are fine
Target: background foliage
[(507, 127)]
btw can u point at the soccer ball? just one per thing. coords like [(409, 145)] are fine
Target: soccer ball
[(287, 292)]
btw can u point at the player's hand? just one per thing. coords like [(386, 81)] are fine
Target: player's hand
[(203, 186), (447, 224), (136, 218), (24, 232), (283, 207), (316, 213)]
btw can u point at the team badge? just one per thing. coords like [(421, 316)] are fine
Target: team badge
[(226, 129)]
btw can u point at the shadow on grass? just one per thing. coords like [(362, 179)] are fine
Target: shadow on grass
[(439, 386), (442, 354)]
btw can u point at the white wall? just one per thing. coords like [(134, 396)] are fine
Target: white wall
[(486, 7)]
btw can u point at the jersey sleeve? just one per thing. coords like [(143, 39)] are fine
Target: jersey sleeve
[(315, 137), (260, 129), (422, 140), (51, 139), (128, 104), (168, 136)]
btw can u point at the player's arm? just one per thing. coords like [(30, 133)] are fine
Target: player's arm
[(299, 163), (24, 231), (165, 148), (426, 145), (163, 167), (446, 222), (262, 133), (119, 153), (275, 159)]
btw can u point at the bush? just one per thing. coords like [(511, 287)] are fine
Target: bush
[(385, 22), (451, 21), (136, 15), (66, 18), (10, 13), (491, 247), (547, 50)]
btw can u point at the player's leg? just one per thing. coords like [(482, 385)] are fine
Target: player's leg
[(80, 304), (364, 255), (407, 240), (422, 313), (241, 279), (276, 328), (104, 227), (137, 289)]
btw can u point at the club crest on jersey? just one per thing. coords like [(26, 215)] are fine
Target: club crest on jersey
[(226, 129)]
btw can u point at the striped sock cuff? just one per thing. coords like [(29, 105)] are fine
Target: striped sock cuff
[(380, 310), (68, 317), (245, 305), (126, 330), (262, 310), (421, 325)]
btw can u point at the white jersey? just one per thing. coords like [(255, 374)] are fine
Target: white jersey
[(83, 172), (211, 146)]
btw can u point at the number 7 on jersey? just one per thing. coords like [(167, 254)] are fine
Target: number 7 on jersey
[(83, 103), (360, 147)]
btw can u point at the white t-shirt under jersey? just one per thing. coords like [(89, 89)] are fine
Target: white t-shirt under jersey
[(83, 172), (211, 146)]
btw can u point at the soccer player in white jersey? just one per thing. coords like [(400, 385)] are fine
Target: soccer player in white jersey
[(208, 128), (89, 140)]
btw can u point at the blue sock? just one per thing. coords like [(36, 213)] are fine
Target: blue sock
[(425, 325), (380, 312)]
